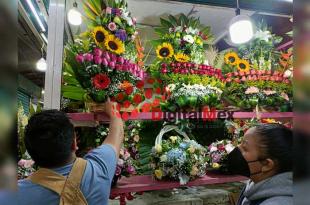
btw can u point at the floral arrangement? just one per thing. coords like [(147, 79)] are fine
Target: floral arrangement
[(25, 168), (125, 165), (182, 40), (191, 96), (178, 159), (105, 57), (218, 152), (262, 88)]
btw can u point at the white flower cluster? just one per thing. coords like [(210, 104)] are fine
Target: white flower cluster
[(195, 90), (188, 30)]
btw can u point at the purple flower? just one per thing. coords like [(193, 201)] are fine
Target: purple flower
[(88, 57), (116, 11), (118, 171), (131, 169), (121, 34), (79, 58), (97, 60), (98, 52)]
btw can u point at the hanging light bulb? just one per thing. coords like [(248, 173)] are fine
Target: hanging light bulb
[(74, 16), (240, 28), (41, 65)]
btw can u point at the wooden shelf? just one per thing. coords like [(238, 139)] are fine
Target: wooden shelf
[(148, 183), (90, 118)]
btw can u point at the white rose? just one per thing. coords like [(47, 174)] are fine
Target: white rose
[(229, 148), (163, 158), (188, 38)]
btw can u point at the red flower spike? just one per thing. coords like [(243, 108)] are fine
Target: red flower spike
[(126, 104), (140, 84), (150, 80), (101, 81), (149, 93)]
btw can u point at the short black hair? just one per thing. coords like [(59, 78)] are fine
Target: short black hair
[(48, 138), (276, 141)]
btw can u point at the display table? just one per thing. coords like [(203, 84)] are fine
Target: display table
[(140, 184)]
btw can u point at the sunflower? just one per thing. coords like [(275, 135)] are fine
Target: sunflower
[(164, 51), (243, 65), (231, 58), (182, 58), (100, 34), (114, 44)]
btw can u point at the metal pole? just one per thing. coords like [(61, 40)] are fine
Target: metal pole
[(55, 46)]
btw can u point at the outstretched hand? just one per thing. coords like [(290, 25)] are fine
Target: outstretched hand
[(110, 109)]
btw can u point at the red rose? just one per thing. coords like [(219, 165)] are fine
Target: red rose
[(156, 102), (146, 107), (140, 84), (129, 90), (126, 104), (150, 81), (120, 97), (101, 81), (137, 98), (148, 93), (221, 147), (158, 91)]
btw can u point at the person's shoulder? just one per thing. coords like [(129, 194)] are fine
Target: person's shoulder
[(278, 200)]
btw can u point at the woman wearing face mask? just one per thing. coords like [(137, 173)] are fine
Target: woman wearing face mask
[(265, 156)]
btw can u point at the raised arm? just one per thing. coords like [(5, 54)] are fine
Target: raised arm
[(116, 130)]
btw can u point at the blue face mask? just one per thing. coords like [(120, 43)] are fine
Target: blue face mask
[(238, 165)]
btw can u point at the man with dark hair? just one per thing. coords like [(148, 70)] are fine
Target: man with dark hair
[(63, 178)]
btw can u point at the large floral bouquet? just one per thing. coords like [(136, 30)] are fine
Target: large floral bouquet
[(178, 159), (191, 96), (125, 166), (105, 56), (218, 152)]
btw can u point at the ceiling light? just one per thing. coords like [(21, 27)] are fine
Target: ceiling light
[(41, 65), (240, 28), (29, 2), (74, 16)]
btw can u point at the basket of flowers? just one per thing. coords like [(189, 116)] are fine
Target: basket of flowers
[(177, 157), (217, 154)]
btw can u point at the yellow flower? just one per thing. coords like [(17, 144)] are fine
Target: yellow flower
[(178, 35), (158, 148), (158, 173), (215, 166), (100, 34), (231, 58), (182, 58), (114, 45), (164, 51), (194, 171), (191, 149), (173, 139), (269, 120), (199, 41), (243, 65)]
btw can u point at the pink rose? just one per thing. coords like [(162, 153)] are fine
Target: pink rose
[(108, 10), (118, 171), (88, 57), (98, 52), (97, 60), (131, 169), (79, 58), (112, 26)]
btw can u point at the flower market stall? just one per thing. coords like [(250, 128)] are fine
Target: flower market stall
[(186, 93)]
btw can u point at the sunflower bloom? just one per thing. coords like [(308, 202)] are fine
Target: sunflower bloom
[(164, 51), (100, 34), (243, 65), (182, 58), (114, 44), (231, 58)]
